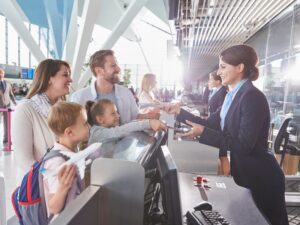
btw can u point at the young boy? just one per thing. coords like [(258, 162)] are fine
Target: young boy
[(68, 121)]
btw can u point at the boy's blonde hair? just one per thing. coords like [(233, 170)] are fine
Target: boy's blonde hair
[(63, 115)]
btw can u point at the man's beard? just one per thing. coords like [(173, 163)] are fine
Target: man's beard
[(114, 79)]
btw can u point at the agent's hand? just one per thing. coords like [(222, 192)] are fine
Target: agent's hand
[(172, 108), (154, 114), (195, 131), (157, 125), (66, 177)]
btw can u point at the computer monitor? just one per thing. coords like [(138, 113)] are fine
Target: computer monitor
[(149, 160), (169, 187)]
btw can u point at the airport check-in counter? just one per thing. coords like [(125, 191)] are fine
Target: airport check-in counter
[(117, 191), (190, 156), (233, 202)]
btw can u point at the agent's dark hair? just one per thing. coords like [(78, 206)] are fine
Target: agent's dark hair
[(215, 76), (95, 109), (45, 70), (244, 54), (98, 59)]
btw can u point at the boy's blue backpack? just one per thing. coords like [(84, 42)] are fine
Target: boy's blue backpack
[(28, 199)]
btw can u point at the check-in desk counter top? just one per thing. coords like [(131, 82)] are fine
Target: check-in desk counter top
[(191, 156), (137, 147), (233, 202)]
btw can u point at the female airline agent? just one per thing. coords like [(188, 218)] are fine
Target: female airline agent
[(241, 127), (215, 101), (216, 98)]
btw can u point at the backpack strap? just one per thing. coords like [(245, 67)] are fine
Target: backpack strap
[(52, 154), (49, 155)]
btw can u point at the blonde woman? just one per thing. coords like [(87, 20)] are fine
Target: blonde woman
[(146, 95), (147, 100)]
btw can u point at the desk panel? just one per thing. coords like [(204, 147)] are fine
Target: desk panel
[(233, 202)]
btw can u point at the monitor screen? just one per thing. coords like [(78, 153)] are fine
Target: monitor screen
[(169, 187), (149, 160)]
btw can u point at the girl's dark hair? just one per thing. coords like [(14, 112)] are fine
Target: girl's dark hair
[(45, 70), (245, 54), (215, 76), (95, 109)]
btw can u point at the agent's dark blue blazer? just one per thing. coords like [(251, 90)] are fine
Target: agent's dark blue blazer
[(205, 95), (245, 135), (216, 101)]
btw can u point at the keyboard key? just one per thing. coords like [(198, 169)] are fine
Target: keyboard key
[(206, 217)]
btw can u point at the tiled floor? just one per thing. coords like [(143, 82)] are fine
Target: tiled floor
[(10, 172), (11, 177)]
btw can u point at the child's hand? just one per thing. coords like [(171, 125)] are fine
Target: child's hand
[(157, 125), (66, 177), (154, 113), (172, 108)]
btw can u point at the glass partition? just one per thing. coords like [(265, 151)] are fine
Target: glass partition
[(279, 36), (296, 29), (278, 47)]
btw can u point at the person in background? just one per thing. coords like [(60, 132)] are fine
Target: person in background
[(241, 126), (204, 100), (68, 121), (217, 96), (134, 94), (215, 101), (105, 122), (31, 135), (148, 86), (6, 95), (104, 66), (147, 99), (205, 96)]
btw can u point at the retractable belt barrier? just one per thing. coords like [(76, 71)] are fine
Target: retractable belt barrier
[(8, 111)]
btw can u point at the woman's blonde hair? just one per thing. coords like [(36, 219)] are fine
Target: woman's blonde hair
[(45, 70), (148, 82), (63, 115)]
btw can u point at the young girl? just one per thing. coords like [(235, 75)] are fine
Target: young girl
[(104, 119), (69, 123)]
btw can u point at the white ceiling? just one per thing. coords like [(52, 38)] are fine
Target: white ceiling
[(206, 27), (111, 11)]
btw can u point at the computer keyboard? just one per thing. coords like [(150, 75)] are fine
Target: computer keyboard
[(205, 217)]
